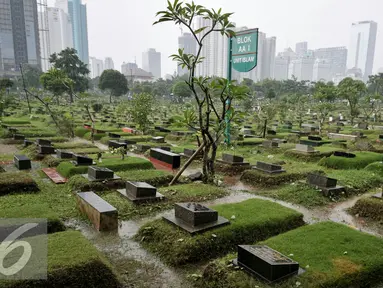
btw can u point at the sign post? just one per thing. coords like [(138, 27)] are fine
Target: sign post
[(243, 54)]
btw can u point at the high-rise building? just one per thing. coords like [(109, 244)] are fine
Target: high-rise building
[(108, 64), (189, 45), (78, 15), (301, 49), (60, 30), (361, 51), (281, 70), (133, 73), (336, 57), (19, 34), (268, 58), (151, 62), (302, 68), (96, 67), (322, 70), (214, 51)]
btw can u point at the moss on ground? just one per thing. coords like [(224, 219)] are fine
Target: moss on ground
[(255, 220)]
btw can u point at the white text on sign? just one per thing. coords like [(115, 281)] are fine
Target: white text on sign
[(244, 59), (244, 40)]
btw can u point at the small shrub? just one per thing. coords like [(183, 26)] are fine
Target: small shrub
[(80, 132)]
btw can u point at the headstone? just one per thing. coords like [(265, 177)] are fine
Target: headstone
[(380, 137), (342, 136), (103, 215), (248, 132), (114, 135), (165, 158), (305, 149), (270, 144), (63, 154), (142, 148), (269, 168), (82, 160), (166, 148), (22, 162), (278, 140), (314, 138), (232, 158), (363, 126), (28, 142), (46, 150), (115, 144), (266, 263), (358, 134), (271, 132), (158, 139), (12, 130), (18, 137), (344, 154), (43, 142), (190, 152), (195, 218), (140, 192), (339, 124), (327, 185), (128, 141), (96, 173)]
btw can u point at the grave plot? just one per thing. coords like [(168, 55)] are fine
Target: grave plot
[(141, 192), (332, 255), (232, 164), (100, 174), (250, 221), (13, 182), (314, 141), (327, 185), (72, 262), (165, 159), (360, 161)]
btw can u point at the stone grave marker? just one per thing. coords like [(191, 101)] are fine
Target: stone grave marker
[(128, 141), (271, 132), (18, 137), (270, 144), (158, 139), (114, 135), (103, 215), (233, 160), (358, 134), (142, 148), (96, 173), (81, 160), (306, 149), (63, 154), (141, 192), (22, 162), (363, 126), (342, 136), (116, 144), (327, 185), (28, 142), (43, 142), (344, 154), (190, 152), (314, 138), (269, 168), (45, 150), (165, 158), (195, 218), (264, 262)]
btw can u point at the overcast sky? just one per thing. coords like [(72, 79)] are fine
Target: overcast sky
[(122, 29)]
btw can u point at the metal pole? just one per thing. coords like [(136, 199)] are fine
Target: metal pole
[(228, 102)]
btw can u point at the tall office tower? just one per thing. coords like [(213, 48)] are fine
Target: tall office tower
[(19, 34), (61, 30), (151, 62), (281, 70), (214, 51), (108, 63), (189, 45), (78, 15), (96, 67), (302, 68), (322, 70), (362, 47), (337, 58), (268, 58), (301, 49)]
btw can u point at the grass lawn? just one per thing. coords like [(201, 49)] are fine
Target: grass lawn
[(17, 182), (333, 255), (361, 160), (72, 262), (151, 176), (255, 220), (178, 193)]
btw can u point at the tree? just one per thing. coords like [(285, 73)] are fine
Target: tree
[(57, 82), (115, 82), (32, 76), (215, 94), (69, 62), (324, 94), (181, 90), (140, 109), (5, 84), (352, 90)]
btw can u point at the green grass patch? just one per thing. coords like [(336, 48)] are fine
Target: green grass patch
[(151, 176), (369, 207), (80, 132), (72, 262), (376, 167), (261, 179), (17, 182), (333, 255), (361, 160), (255, 220), (15, 121), (72, 145)]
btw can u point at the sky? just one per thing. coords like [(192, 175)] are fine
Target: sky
[(122, 29)]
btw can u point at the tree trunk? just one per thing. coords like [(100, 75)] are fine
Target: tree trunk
[(264, 129), (110, 98)]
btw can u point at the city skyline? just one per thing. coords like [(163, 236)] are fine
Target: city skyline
[(321, 26)]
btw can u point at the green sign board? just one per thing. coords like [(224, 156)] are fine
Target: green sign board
[(245, 50)]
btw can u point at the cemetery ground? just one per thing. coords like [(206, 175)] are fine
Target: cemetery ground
[(311, 203)]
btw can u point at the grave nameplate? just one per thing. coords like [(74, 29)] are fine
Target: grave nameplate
[(28, 142), (114, 135), (344, 154), (158, 139), (142, 148), (43, 142), (18, 137), (270, 144), (380, 137), (321, 180), (82, 160), (115, 144), (269, 168), (141, 189), (22, 162), (166, 148), (99, 173), (271, 132), (266, 263), (128, 142), (304, 148), (103, 215), (63, 154), (168, 158), (358, 134), (314, 138), (232, 158), (46, 150), (363, 126), (12, 130)]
